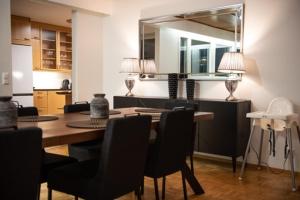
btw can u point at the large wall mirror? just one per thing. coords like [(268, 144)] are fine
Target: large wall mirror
[(191, 44)]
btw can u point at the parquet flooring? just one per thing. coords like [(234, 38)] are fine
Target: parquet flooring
[(218, 181)]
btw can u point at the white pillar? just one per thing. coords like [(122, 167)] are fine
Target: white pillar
[(87, 74), (5, 47)]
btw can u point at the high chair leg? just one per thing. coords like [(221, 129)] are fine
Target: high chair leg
[(289, 132), (246, 153), (260, 148), (298, 130)]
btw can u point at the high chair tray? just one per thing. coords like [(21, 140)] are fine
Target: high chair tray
[(264, 115)]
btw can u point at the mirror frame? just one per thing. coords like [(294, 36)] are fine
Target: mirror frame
[(203, 76)]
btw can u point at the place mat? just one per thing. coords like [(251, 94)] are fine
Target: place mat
[(36, 118), (111, 112), (150, 110), (91, 123)]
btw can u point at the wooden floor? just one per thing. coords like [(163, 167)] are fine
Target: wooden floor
[(218, 182)]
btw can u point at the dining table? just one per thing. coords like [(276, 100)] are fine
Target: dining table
[(58, 132)]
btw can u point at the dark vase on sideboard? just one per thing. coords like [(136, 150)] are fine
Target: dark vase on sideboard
[(173, 85), (190, 87)]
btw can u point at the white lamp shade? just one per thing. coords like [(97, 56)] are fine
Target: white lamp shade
[(130, 65), (149, 67), (232, 62)]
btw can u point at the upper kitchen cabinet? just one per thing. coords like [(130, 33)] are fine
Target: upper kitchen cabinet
[(20, 30), (65, 54), (36, 45), (52, 47), (49, 49)]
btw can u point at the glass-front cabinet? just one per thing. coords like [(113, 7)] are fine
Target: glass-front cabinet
[(52, 47), (65, 53), (49, 60)]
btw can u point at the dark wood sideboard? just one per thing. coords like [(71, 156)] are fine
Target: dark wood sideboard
[(227, 134)]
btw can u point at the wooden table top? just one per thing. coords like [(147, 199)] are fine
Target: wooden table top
[(57, 133)]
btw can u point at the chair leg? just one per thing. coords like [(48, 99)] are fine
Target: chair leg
[(38, 193), (156, 189), (142, 187), (294, 187), (192, 163), (246, 153), (260, 148), (183, 185), (138, 193), (163, 188), (49, 193), (75, 197)]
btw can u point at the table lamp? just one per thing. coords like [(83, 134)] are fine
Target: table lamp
[(149, 68), (130, 66), (232, 63)]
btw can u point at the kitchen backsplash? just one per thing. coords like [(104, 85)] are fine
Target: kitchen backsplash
[(49, 80)]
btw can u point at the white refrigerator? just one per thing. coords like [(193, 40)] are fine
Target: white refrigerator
[(22, 74)]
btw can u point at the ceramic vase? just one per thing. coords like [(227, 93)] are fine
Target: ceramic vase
[(99, 107), (190, 87), (8, 112), (173, 85)]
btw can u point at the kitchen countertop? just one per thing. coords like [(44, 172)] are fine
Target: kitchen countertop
[(43, 89)]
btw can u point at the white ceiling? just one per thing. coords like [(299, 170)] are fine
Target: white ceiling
[(42, 12)]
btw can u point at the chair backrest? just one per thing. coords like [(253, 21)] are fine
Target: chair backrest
[(179, 105), (20, 153), (27, 111), (176, 104), (77, 107), (280, 106), (123, 157), (172, 142)]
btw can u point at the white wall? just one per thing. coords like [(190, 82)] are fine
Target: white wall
[(271, 49), (49, 80), (5, 47), (98, 6), (87, 55)]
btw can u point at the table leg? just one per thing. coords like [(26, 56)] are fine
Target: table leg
[(191, 179), (246, 153), (233, 158)]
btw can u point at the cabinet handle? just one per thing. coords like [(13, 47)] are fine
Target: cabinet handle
[(26, 39), (35, 37)]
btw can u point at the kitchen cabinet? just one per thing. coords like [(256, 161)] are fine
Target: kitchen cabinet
[(20, 30), (51, 101), (227, 134), (40, 99), (52, 47), (36, 46)]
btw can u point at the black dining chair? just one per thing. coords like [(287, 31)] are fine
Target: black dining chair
[(168, 152), (20, 153), (49, 160), (77, 107), (121, 166), (179, 105), (83, 150), (27, 111)]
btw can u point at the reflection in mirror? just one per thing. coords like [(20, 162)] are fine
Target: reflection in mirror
[(191, 43)]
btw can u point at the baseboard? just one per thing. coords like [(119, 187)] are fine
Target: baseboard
[(224, 159)]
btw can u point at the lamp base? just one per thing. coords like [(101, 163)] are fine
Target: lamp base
[(231, 98), (129, 94), (129, 84), (231, 86)]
